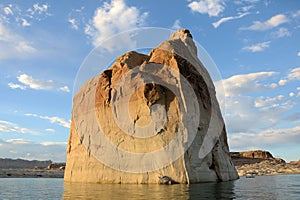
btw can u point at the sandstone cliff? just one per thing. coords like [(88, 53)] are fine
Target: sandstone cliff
[(150, 118)]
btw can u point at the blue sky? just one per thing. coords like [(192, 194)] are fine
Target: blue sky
[(255, 45)]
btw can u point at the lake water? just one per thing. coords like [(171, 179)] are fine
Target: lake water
[(263, 187)]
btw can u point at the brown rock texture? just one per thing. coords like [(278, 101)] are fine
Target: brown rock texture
[(146, 131)]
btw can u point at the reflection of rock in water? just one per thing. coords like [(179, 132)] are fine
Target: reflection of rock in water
[(170, 109), (221, 190)]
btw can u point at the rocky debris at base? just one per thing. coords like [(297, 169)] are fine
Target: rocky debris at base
[(262, 163)]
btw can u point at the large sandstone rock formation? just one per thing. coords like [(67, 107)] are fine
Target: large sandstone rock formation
[(150, 118)]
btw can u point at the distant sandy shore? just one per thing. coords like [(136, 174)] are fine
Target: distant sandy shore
[(31, 173)]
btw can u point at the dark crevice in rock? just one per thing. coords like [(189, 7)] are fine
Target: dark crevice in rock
[(107, 74), (151, 93), (195, 79), (215, 162)]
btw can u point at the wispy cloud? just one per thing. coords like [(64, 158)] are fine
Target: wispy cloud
[(176, 25), (211, 7), (257, 47), (7, 10), (30, 150), (9, 127), (25, 22), (74, 23), (296, 14), (50, 130), (113, 18), (77, 18), (298, 54), (39, 11), (226, 19), (269, 24), (16, 86), (13, 45), (273, 137), (37, 84), (281, 32), (267, 101), (293, 75), (54, 119), (12, 13)]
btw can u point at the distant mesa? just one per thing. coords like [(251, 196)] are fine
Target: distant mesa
[(252, 154), (295, 162), (262, 163), (6, 163), (139, 121)]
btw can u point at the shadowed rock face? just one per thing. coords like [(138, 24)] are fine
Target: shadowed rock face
[(147, 117)]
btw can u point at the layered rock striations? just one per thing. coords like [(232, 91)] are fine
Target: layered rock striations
[(150, 118)]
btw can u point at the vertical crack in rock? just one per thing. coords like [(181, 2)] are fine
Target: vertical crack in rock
[(107, 74)]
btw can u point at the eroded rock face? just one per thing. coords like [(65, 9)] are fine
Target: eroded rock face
[(147, 117)]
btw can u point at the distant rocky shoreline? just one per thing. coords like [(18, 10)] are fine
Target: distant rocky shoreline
[(31, 173), (261, 163), (256, 163), (19, 168)]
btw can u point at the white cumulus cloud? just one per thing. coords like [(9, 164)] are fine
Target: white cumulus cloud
[(210, 7), (113, 18), (282, 82), (245, 83), (37, 84), (262, 101), (257, 47)]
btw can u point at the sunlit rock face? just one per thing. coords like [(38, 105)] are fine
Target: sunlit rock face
[(150, 119)]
